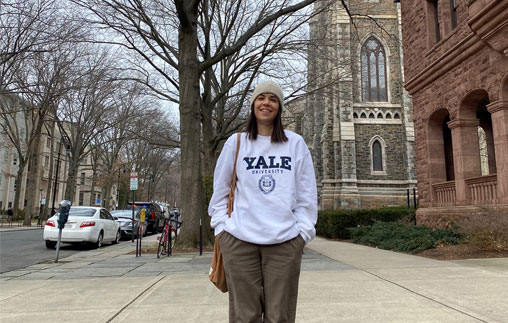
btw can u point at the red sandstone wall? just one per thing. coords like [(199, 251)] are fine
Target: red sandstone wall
[(484, 69)]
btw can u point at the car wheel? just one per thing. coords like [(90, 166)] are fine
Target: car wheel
[(118, 236), (50, 244), (98, 243)]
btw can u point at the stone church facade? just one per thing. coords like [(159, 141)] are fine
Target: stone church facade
[(456, 68), (358, 117)]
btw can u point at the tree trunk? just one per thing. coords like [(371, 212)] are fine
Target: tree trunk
[(190, 119), (91, 201), (32, 186), (50, 172), (70, 188), (93, 161), (106, 197), (19, 180)]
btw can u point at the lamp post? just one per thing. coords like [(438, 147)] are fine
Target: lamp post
[(65, 140), (122, 166)]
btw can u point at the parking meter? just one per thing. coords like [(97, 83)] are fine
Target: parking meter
[(63, 211), (63, 216)]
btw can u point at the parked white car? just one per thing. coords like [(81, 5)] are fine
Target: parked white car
[(86, 224)]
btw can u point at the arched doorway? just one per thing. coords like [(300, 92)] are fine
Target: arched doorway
[(486, 138), (441, 173), (471, 187)]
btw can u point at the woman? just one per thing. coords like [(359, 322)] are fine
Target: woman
[(274, 213)]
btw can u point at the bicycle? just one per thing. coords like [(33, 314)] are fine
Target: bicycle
[(166, 240)]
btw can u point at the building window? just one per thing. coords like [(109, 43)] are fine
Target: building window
[(82, 179), (81, 198), (453, 13), (46, 161), (15, 184), (378, 156), (6, 155), (15, 158), (433, 20), (373, 60), (48, 142)]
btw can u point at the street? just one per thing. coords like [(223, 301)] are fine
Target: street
[(19, 249)]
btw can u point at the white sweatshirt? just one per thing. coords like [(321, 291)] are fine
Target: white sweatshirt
[(275, 197)]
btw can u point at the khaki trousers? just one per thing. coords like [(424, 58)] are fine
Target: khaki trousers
[(262, 279)]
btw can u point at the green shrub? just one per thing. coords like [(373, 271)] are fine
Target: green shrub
[(398, 236), (335, 223), (21, 215)]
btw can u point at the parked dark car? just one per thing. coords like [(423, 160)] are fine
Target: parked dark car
[(154, 216)]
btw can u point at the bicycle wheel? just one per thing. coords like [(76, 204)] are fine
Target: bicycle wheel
[(162, 243), (169, 246)]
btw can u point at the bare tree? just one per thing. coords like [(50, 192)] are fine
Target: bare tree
[(149, 29), (27, 27), (135, 116), (15, 117), (87, 111), (39, 85)]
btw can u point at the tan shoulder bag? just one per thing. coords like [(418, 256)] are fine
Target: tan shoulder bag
[(216, 274)]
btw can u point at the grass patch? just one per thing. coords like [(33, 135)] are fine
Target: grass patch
[(398, 236)]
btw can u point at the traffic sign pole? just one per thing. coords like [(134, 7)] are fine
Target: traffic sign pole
[(134, 187)]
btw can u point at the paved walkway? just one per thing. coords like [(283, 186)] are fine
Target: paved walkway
[(340, 282)]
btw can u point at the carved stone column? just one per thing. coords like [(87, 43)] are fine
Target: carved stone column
[(466, 156), (499, 114)]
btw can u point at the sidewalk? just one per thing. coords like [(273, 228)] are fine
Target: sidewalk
[(340, 282)]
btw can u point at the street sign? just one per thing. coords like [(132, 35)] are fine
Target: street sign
[(142, 215), (134, 181)]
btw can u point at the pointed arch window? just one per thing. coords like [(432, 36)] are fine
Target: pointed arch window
[(377, 156), (373, 61)]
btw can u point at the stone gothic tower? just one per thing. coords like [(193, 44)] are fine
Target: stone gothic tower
[(358, 117)]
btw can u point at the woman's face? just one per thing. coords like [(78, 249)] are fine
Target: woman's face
[(266, 106)]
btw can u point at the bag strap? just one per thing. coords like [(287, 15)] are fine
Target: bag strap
[(233, 181)]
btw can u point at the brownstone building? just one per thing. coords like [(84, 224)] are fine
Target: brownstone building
[(456, 68)]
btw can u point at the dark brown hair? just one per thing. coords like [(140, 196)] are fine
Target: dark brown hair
[(278, 134)]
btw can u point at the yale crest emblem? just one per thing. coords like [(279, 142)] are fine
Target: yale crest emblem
[(266, 184)]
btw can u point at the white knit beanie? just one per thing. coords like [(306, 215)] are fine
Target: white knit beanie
[(268, 87)]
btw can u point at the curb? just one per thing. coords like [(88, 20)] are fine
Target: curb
[(12, 229)]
